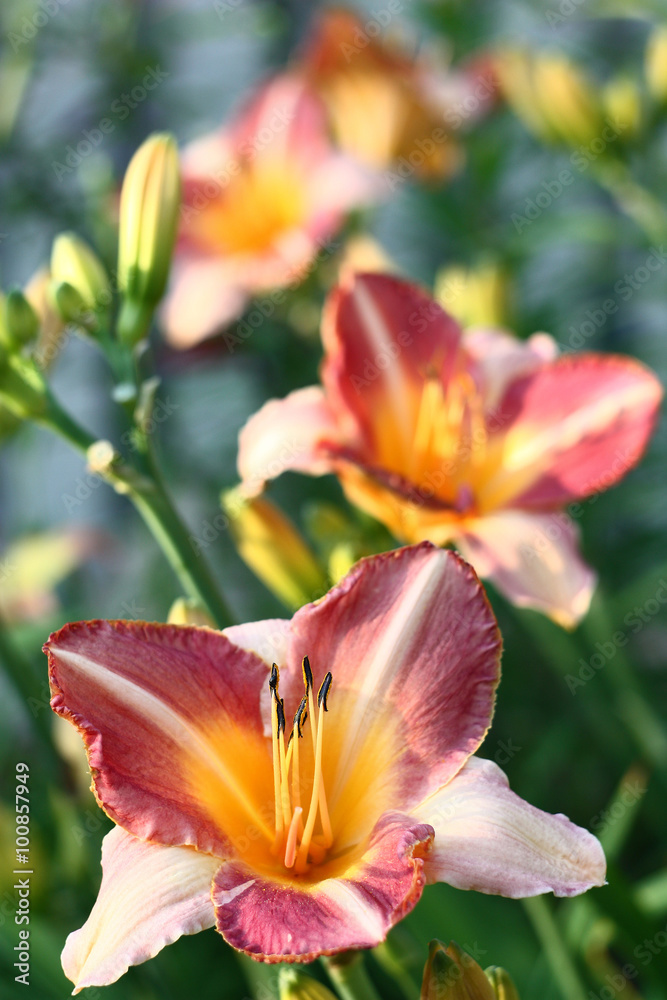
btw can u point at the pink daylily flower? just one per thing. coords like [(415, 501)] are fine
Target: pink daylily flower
[(262, 197), (298, 839), (476, 438)]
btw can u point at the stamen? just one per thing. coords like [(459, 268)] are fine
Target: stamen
[(290, 848), (275, 729), (307, 674), (274, 679), (324, 691), (302, 857)]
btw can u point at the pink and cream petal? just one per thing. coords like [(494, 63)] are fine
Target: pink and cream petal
[(172, 723), (533, 559), (570, 429), (149, 897), (279, 921), (488, 839), (500, 358), (414, 651), (286, 435), (204, 296), (382, 338)]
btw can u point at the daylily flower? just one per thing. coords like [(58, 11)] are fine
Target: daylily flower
[(261, 199), (296, 783), (386, 107), (476, 439)]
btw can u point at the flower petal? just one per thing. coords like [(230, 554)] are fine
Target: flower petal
[(533, 559), (570, 429), (171, 719), (414, 651), (489, 839), (278, 921), (150, 895), (500, 358), (286, 435), (204, 296), (382, 337)]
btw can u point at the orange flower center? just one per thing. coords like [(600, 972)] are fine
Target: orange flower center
[(259, 205)]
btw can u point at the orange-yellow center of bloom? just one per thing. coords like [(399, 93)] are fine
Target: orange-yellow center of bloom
[(261, 203), (296, 841)]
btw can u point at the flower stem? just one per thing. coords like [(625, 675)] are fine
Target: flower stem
[(148, 494), (563, 969), (634, 200), (348, 974)]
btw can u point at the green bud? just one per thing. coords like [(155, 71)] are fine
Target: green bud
[(149, 208), (21, 322), (70, 305), (451, 974), (74, 262), (502, 985), (295, 985)]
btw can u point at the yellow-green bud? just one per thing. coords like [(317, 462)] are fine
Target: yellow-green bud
[(149, 208), (69, 304), (74, 262), (451, 974), (271, 545), (21, 322), (186, 611), (295, 985), (655, 64), (503, 987)]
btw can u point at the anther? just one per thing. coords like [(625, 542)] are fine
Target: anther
[(324, 691), (300, 718), (307, 674), (274, 678), (280, 709)]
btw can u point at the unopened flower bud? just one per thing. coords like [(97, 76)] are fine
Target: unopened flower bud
[(70, 305), (186, 611), (149, 208), (21, 323), (503, 986), (295, 985), (655, 64), (271, 545), (451, 974), (74, 262)]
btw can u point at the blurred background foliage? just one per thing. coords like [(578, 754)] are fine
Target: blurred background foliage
[(580, 751)]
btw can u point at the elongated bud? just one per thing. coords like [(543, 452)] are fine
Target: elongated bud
[(655, 64), (621, 100), (271, 545), (186, 611), (74, 262), (503, 987), (294, 985), (451, 974), (149, 207), (21, 323)]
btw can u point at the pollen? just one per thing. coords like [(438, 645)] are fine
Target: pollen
[(303, 832)]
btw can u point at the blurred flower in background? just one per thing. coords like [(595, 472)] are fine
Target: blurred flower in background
[(386, 106), (262, 199)]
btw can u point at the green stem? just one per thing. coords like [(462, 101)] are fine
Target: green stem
[(563, 969), (632, 705), (637, 203), (150, 498), (348, 974)]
